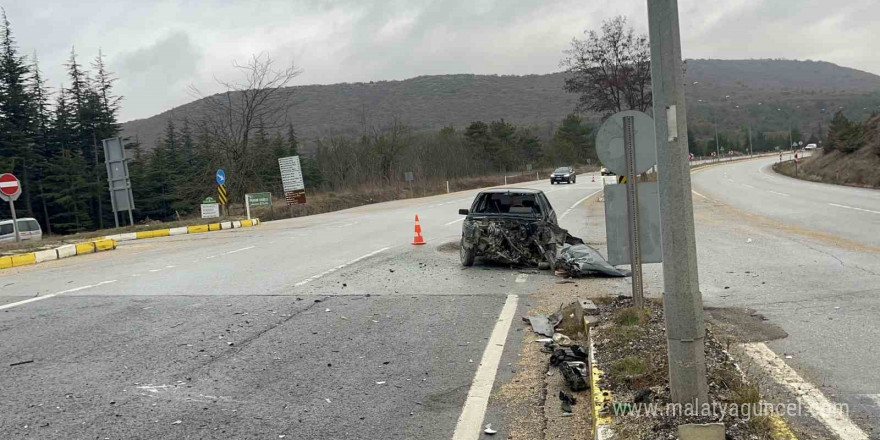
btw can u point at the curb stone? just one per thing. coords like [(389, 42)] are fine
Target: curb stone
[(68, 250), (110, 242)]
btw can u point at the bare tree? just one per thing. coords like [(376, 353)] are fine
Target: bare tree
[(611, 71), (259, 100)]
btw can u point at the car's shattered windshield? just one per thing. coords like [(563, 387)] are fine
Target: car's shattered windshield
[(507, 203)]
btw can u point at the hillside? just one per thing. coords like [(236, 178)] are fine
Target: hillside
[(859, 168), (431, 102)]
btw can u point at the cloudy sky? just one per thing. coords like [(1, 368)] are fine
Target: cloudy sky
[(159, 48)]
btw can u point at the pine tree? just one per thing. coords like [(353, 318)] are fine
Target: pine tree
[(292, 141), (16, 144), (40, 119)]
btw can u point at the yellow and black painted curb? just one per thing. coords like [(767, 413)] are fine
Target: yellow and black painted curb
[(602, 404), (195, 229), (61, 252), (599, 399), (110, 242)]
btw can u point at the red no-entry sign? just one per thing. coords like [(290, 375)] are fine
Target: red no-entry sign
[(10, 187)]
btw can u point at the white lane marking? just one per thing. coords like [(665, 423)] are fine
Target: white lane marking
[(854, 208), (453, 222), (807, 394), (471, 419), (778, 193), (52, 295), (239, 250), (748, 186), (578, 203), (329, 271), (521, 278), (699, 194), (155, 270)]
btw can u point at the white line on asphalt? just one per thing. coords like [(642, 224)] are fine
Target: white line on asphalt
[(474, 410), (778, 193), (329, 271), (453, 222), (155, 270), (39, 298), (239, 250), (748, 186), (699, 194), (854, 208), (578, 203), (819, 406)]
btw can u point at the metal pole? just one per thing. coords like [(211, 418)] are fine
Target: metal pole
[(14, 221), (130, 218), (682, 300), (632, 201), (247, 205), (447, 187), (750, 139)]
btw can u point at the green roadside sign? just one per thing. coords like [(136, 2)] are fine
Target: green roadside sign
[(209, 199), (259, 199)]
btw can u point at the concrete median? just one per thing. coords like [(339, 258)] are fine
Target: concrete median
[(66, 251)]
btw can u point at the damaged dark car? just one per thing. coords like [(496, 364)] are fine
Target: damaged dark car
[(509, 225), (518, 226)]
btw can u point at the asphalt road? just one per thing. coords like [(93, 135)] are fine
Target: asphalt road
[(329, 326), (852, 213), (808, 261)]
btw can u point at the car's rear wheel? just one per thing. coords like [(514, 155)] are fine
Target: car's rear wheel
[(467, 255)]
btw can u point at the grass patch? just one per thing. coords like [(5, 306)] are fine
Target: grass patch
[(628, 367), (632, 316), (625, 334)]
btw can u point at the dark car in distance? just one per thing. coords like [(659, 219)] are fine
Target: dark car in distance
[(563, 174)]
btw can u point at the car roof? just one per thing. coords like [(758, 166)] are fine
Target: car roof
[(512, 190), (21, 219)]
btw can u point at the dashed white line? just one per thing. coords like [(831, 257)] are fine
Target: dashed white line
[(778, 193), (854, 208), (748, 186), (699, 194), (239, 250), (474, 410), (453, 222), (329, 271)]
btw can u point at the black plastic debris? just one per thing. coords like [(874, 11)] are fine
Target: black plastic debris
[(643, 396), (568, 354), (575, 375), (567, 397)]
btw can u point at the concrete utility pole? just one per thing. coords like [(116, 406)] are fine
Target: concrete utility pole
[(682, 300)]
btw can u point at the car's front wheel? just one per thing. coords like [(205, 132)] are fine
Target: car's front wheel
[(467, 255)]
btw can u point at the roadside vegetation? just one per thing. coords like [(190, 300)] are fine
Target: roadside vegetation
[(850, 155)]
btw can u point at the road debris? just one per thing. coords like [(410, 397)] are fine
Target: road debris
[(579, 260), (541, 324), (575, 375), (15, 364), (561, 340), (489, 430), (567, 401)]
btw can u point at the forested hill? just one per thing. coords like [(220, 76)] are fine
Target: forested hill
[(807, 91)]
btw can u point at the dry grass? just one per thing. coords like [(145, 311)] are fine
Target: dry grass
[(632, 316)]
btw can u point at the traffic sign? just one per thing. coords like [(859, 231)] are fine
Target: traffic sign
[(10, 187), (292, 180), (259, 199), (609, 142), (221, 177)]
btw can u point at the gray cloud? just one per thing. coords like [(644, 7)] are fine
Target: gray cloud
[(158, 48)]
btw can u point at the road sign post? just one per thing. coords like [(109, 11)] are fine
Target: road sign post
[(632, 204), (682, 300), (257, 199), (292, 181), (222, 196), (118, 177), (10, 189)]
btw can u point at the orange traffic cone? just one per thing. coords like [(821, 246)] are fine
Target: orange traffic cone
[(418, 239)]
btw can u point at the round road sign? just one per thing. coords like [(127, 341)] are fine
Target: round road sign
[(10, 187), (221, 176), (609, 142)]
